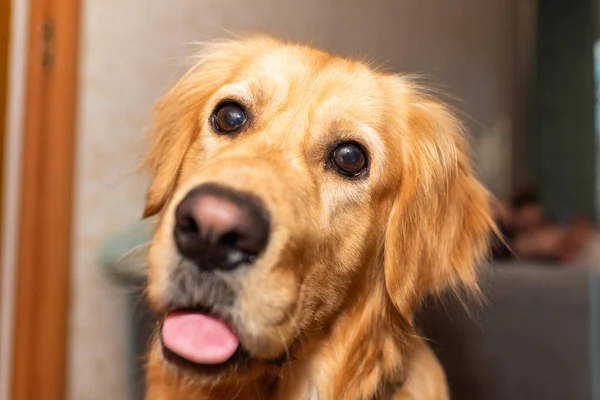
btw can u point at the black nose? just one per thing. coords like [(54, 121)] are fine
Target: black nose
[(220, 228)]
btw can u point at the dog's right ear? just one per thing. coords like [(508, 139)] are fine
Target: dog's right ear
[(177, 125), (177, 122), (174, 129)]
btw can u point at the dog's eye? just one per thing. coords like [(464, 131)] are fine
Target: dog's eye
[(349, 159), (228, 117)]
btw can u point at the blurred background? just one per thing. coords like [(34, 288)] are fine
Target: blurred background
[(78, 80)]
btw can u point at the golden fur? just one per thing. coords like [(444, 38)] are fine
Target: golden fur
[(348, 262)]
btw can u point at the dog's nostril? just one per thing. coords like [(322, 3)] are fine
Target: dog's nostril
[(188, 225), (230, 238)]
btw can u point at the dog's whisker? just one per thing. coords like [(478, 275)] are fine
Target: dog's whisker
[(237, 393), (133, 250), (283, 343)]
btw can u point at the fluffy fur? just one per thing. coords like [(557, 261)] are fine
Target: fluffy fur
[(349, 261)]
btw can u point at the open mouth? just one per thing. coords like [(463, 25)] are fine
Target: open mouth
[(200, 341), (205, 343)]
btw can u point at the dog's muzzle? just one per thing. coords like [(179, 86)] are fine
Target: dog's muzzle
[(217, 229)]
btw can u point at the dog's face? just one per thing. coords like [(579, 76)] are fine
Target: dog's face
[(285, 178)]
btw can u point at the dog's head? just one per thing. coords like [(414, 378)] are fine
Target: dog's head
[(287, 179)]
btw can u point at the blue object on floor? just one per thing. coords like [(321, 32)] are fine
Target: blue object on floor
[(124, 257)]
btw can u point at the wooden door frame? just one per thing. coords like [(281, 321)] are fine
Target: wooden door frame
[(44, 242), (5, 24)]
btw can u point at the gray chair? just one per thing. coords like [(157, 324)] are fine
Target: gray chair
[(531, 340)]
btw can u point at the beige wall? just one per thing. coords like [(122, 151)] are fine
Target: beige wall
[(131, 49)]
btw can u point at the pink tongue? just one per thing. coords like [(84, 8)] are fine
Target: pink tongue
[(198, 338)]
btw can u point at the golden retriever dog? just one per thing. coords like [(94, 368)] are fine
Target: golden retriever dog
[(306, 205)]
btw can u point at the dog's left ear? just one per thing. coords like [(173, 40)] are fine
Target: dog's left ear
[(440, 222)]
